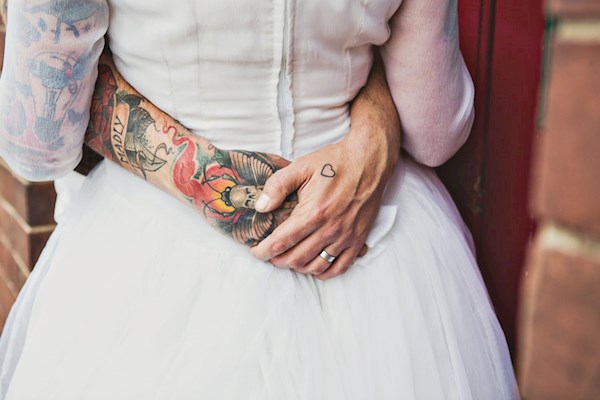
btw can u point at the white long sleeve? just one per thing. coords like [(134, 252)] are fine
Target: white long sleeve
[(50, 69), (428, 79)]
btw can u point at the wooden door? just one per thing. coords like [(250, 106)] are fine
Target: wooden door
[(502, 44)]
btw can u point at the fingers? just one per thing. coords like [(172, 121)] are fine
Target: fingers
[(304, 257), (318, 265), (363, 251), (283, 238), (281, 184), (340, 265)]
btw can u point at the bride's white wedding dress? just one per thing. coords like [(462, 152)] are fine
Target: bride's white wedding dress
[(136, 297)]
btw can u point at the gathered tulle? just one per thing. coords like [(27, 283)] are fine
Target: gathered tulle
[(143, 300)]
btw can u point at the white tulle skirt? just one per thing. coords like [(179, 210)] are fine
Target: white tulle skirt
[(136, 297)]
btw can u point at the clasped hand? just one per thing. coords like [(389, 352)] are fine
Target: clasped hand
[(339, 188)]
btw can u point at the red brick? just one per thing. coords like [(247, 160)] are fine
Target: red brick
[(37, 242), (7, 262), (33, 201), (560, 324), (7, 299), (28, 245), (41, 198), (575, 8), (567, 180), (14, 269), (10, 188), (7, 293)]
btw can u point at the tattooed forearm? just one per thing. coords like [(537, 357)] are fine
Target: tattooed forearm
[(47, 81), (222, 185), (118, 124)]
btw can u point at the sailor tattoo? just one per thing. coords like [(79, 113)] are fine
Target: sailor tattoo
[(120, 124), (223, 185)]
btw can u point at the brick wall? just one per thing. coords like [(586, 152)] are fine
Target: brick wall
[(26, 222), (560, 313)]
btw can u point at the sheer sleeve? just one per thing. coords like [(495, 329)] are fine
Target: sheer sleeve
[(428, 79), (50, 69)]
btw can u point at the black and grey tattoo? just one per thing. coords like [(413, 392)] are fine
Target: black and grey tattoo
[(328, 171)]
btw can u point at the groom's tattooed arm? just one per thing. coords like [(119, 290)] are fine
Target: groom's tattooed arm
[(223, 185), (52, 48)]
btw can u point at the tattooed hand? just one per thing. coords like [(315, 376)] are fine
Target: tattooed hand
[(340, 197), (225, 188), (222, 185), (340, 188)]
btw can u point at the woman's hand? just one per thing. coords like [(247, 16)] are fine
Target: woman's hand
[(226, 190), (222, 185)]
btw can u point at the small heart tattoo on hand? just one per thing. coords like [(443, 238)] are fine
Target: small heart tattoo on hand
[(328, 171)]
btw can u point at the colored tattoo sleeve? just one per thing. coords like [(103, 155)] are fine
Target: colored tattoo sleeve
[(222, 185), (52, 48)]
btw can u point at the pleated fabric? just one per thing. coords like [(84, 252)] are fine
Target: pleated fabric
[(136, 297)]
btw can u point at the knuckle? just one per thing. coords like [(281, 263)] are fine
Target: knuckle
[(334, 231), (343, 270), (321, 269), (356, 245), (275, 184), (317, 215), (278, 245), (296, 263)]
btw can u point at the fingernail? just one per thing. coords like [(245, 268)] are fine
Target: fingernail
[(262, 202)]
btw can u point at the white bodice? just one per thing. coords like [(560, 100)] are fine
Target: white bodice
[(269, 75), (274, 75)]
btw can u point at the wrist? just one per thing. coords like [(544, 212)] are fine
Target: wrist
[(376, 149)]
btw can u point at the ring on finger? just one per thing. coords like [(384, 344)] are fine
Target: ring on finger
[(327, 257)]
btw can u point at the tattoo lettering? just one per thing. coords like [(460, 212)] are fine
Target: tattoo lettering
[(119, 124), (129, 135), (328, 171), (98, 134), (222, 185), (117, 139)]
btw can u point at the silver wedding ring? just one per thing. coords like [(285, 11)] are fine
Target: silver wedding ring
[(327, 257)]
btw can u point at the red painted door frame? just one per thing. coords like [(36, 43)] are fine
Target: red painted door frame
[(502, 45)]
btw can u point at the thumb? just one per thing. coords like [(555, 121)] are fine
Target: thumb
[(279, 186)]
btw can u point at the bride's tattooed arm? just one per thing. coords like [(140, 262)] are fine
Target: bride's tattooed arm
[(50, 68), (222, 185)]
